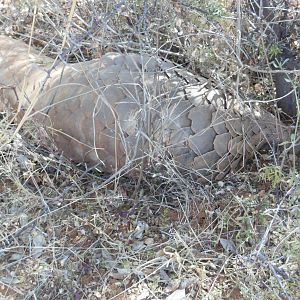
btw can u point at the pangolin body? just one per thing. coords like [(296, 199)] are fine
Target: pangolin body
[(122, 108)]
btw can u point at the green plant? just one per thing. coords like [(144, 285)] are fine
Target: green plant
[(272, 174), (274, 50)]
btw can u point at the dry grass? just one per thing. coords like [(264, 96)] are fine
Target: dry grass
[(66, 233)]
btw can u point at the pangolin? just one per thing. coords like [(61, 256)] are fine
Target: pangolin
[(122, 109)]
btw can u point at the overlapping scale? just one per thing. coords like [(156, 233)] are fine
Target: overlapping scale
[(119, 108)]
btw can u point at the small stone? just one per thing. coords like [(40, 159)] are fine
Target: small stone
[(149, 241), (221, 184)]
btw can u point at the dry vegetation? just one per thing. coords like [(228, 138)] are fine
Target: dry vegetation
[(71, 233)]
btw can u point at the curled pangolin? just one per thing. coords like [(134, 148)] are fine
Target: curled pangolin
[(122, 108)]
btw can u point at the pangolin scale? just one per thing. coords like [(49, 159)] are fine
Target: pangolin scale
[(122, 109)]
